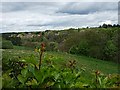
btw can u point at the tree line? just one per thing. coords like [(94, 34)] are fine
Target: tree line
[(98, 42)]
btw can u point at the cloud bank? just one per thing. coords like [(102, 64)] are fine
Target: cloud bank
[(40, 16)]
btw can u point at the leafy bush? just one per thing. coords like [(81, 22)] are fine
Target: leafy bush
[(110, 50), (52, 46), (71, 41), (16, 40), (11, 63), (7, 44), (96, 43), (81, 49), (73, 50)]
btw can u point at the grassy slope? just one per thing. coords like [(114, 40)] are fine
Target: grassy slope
[(90, 64)]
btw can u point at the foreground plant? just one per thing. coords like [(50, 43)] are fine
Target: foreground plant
[(106, 81), (41, 53)]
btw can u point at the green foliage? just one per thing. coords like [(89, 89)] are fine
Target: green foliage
[(16, 40), (110, 50), (52, 46), (13, 38), (53, 76), (31, 44), (83, 48), (96, 52), (96, 43), (71, 41), (106, 81), (73, 50), (8, 82), (22, 48), (7, 44)]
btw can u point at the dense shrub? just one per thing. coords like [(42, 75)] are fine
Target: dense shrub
[(71, 41), (52, 46), (13, 38), (7, 44), (97, 43), (110, 50), (16, 40), (73, 50), (31, 44), (81, 48), (96, 52)]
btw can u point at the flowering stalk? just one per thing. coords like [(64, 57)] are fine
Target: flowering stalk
[(97, 73), (41, 53)]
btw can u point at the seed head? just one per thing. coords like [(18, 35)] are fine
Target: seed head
[(97, 72)]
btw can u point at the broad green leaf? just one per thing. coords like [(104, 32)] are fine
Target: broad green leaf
[(31, 68), (33, 82), (105, 80), (86, 85), (21, 79), (38, 75), (50, 84), (23, 60), (78, 85), (56, 75), (24, 72), (32, 59), (78, 75), (100, 81), (6, 80)]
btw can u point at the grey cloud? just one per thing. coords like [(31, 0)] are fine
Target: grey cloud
[(80, 20), (119, 8), (38, 25), (89, 7), (30, 6), (12, 7)]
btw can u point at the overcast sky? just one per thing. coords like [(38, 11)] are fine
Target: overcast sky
[(39, 16)]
